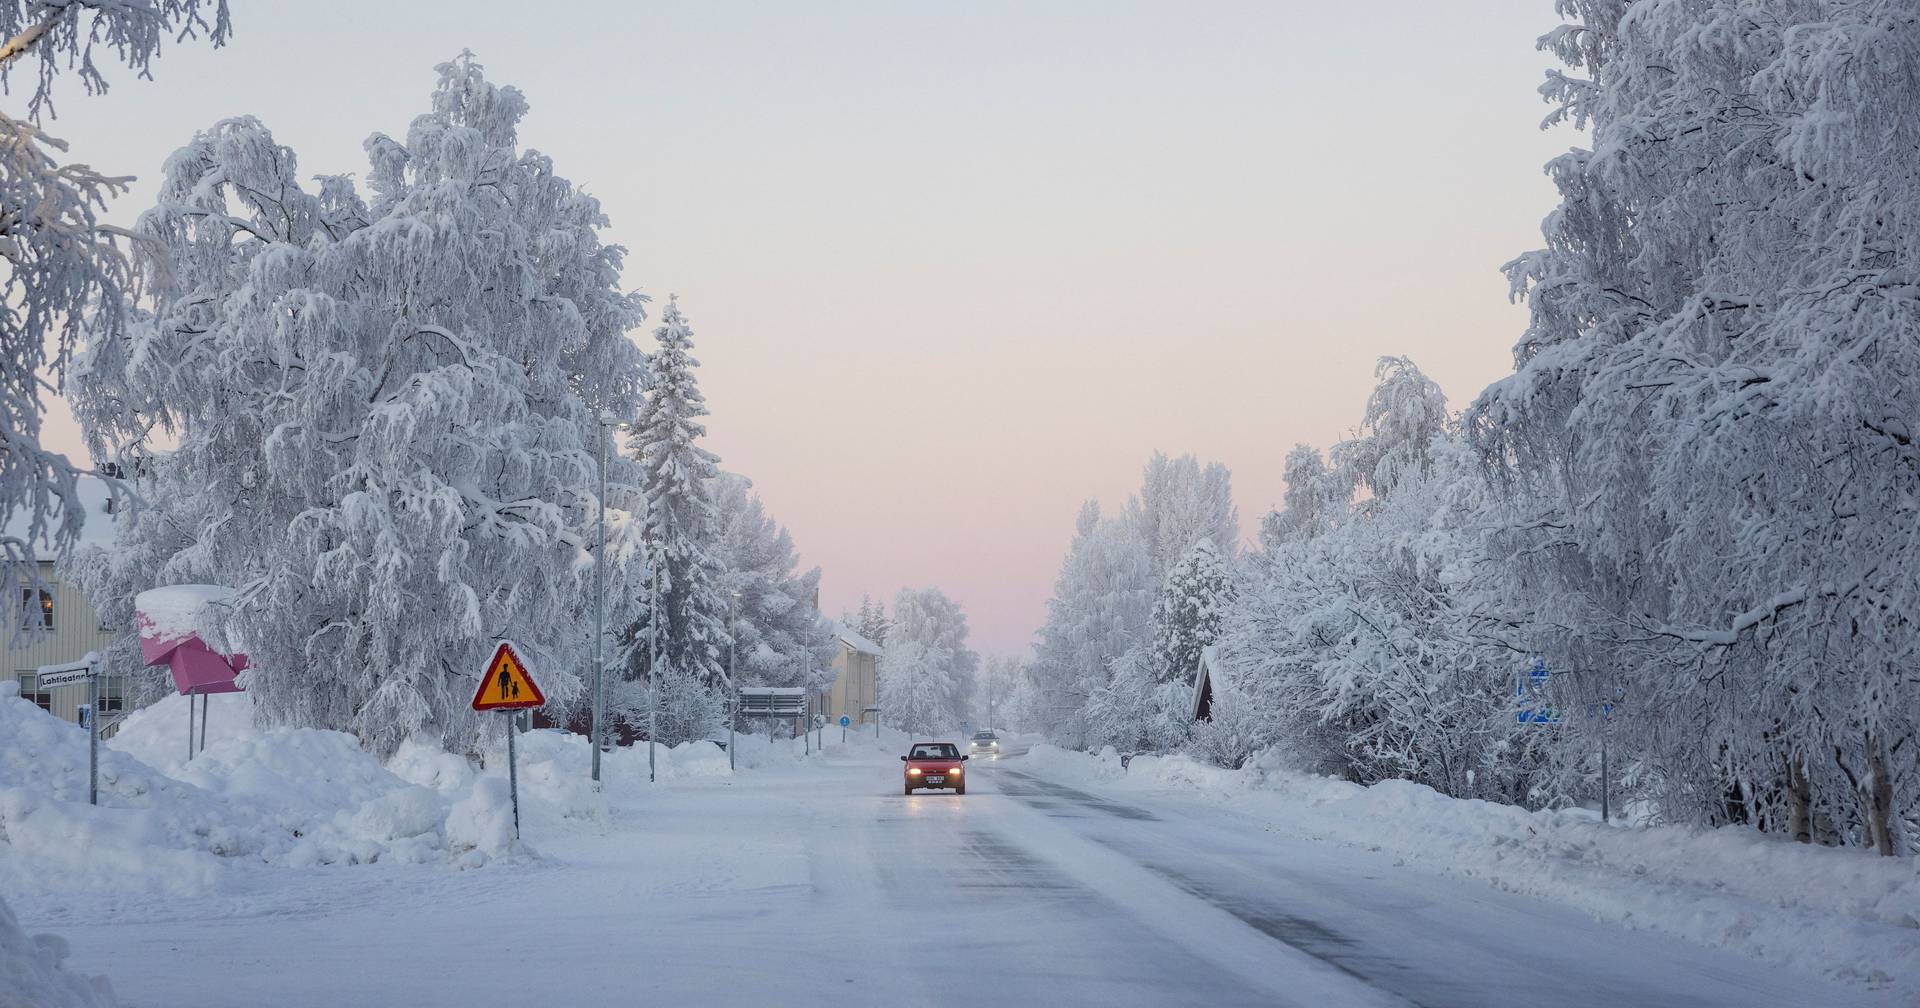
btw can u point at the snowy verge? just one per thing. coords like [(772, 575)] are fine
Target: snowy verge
[(1848, 914), (33, 975)]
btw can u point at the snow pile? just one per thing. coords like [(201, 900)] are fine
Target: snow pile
[(157, 734), (1847, 913), (31, 975)]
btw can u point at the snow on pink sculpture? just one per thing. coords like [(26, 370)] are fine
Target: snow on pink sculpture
[(170, 621)]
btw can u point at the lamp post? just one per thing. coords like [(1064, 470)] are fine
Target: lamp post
[(733, 685), (607, 420)]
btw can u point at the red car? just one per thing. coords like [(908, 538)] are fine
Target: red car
[(935, 765)]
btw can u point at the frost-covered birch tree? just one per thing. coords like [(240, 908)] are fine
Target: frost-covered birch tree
[(62, 269), (1715, 399), (928, 672), (376, 419)]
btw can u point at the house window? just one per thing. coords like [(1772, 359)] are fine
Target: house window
[(30, 689), (113, 694), (27, 607)]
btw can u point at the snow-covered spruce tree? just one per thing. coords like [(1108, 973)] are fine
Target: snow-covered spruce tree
[(385, 415), (928, 671), (870, 620), (1187, 615), (778, 636), (62, 270), (1101, 608), (1716, 391), (683, 657)]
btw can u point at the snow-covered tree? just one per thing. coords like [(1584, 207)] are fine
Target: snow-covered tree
[(1182, 502), (1187, 615), (1000, 679), (870, 620), (1135, 712), (1714, 402), (778, 636), (928, 672), (377, 421), (1101, 608), (680, 645), (62, 270)]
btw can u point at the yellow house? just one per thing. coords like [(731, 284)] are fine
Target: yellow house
[(68, 625), (852, 693)]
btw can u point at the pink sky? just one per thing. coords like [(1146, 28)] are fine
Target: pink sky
[(955, 269)]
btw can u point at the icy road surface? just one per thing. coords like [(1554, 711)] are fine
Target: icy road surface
[(823, 885)]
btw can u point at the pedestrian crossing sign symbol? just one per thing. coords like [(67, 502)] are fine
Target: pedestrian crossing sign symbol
[(506, 684)]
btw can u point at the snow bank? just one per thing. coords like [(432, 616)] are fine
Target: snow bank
[(157, 734), (32, 976), (1845, 913)]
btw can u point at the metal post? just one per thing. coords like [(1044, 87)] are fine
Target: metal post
[(189, 727), (806, 728), (513, 776), (93, 732), (653, 666), (600, 615), (1606, 779), (733, 685), (206, 708)]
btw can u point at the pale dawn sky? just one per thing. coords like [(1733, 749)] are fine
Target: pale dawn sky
[(955, 268)]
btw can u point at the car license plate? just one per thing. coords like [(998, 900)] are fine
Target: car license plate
[(936, 779)]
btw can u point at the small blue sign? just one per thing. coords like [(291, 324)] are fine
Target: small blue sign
[(1535, 686), (845, 720)]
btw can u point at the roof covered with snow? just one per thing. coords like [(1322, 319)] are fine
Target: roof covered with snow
[(856, 642), (98, 530)]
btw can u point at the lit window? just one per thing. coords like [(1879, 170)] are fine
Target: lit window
[(46, 607)]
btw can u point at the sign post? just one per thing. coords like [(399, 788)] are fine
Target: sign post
[(88, 668), (506, 685)]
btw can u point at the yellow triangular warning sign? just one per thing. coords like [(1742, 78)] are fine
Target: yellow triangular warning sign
[(506, 684)]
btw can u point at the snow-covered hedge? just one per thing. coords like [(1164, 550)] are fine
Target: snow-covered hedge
[(1844, 912)]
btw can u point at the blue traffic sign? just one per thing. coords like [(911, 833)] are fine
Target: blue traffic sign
[(845, 720), (1535, 688)]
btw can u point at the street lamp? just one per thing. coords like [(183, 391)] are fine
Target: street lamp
[(733, 685), (607, 420)]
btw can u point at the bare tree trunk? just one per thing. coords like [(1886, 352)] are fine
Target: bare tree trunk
[(1874, 793), (1879, 799), (1799, 802)]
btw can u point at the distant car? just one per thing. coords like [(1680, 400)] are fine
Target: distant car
[(934, 765), (984, 742)]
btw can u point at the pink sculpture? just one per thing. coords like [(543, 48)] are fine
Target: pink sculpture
[(170, 621)]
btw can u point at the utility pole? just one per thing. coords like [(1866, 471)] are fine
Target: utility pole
[(600, 607)]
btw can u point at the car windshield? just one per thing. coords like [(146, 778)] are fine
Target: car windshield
[(985, 736), (935, 750)]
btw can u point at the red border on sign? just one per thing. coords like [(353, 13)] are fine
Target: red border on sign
[(492, 669)]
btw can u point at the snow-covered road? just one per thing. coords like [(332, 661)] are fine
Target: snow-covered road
[(822, 884)]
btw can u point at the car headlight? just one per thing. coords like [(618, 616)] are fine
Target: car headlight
[(913, 771), (954, 770)]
